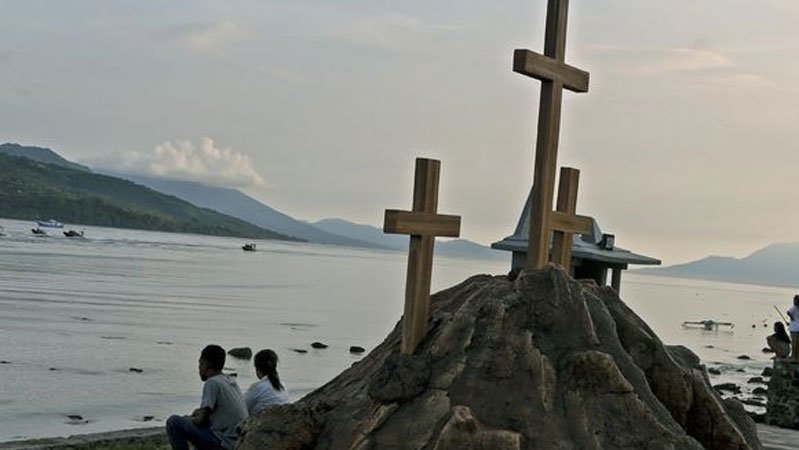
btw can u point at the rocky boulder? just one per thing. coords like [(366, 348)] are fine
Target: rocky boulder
[(542, 362)]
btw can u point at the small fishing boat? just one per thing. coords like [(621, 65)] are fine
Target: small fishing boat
[(52, 223), (249, 247), (707, 324), (73, 233)]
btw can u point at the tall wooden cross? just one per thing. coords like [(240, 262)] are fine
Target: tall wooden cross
[(555, 75), (565, 221), (423, 224)]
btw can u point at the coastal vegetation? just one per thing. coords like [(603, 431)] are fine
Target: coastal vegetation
[(34, 190)]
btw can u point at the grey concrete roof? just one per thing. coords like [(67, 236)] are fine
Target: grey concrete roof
[(585, 247)]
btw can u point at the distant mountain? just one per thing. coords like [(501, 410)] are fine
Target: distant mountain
[(775, 265), (40, 154), (453, 247), (237, 204), (31, 190)]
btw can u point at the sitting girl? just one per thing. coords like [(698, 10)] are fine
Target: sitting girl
[(779, 341), (269, 390)]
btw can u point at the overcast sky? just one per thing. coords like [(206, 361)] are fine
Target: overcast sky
[(688, 141)]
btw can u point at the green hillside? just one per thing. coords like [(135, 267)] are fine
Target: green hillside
[(33, 190)]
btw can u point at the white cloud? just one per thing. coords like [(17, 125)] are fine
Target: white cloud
[(392, 31), (684, 60), (204, 36), (184, 160)]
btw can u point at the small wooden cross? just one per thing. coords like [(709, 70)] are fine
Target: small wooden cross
[(565, 223), (423, 224), (555, 75)]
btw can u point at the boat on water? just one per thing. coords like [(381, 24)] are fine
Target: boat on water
[(249, 247), (38, 231), (707, 324), (2, 231), (52, 223), (73, 233)]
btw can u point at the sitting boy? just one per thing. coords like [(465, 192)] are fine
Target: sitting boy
[(213, 426)]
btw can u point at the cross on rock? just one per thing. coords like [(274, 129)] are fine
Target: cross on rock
[(423, 224), (565, 223), (555, 75)]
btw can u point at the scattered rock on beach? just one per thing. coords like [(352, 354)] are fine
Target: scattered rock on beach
[(740, 370), (754, 402), (76, 419), (760, 390), (758, 418), (709, 346), (755, 380), (5, 362), (543, 362), (728, 387), (164, 343), (301, 351), (767, 350), (713, 371), (357, 349), (319, 345), (52, 369), (147, 418), (767, 372), (240, 352), (744, 357), (136, 370)]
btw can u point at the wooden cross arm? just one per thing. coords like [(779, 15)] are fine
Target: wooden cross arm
[(545, 68), (421, 224), (570, 223)]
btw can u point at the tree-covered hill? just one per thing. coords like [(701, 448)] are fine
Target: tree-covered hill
[(34, 190)]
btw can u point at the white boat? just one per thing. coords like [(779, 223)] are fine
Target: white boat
[(52, 223), (2, 231)]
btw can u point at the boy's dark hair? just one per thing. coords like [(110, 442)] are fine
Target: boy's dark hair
[(214, 355), (266, 363)]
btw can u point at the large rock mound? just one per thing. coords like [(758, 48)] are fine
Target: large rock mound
[(544, 362)]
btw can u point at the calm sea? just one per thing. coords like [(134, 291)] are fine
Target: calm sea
[(77, 314)]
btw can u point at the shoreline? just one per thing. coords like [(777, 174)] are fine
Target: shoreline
[(154, 438), (131, 439)]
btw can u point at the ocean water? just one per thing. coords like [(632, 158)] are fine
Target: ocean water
[(77, 314)]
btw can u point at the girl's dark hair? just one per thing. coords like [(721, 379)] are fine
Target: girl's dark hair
[(266, 363), (779, 331)]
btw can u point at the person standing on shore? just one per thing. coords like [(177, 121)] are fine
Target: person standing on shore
[(213, 426), (269, 390), (793, 313)]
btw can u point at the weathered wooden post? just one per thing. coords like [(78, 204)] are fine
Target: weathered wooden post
[(423, 224), (555, 75)]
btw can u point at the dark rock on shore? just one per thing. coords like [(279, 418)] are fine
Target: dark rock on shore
[(713, 371), (240, 352), (767, 372), (754, 380), (301, 351), (543, 362), (728, 387), (356, 349), (760, 391), (767, 350), (136, 370), (744, 357), (319, 345), (754, 402)]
